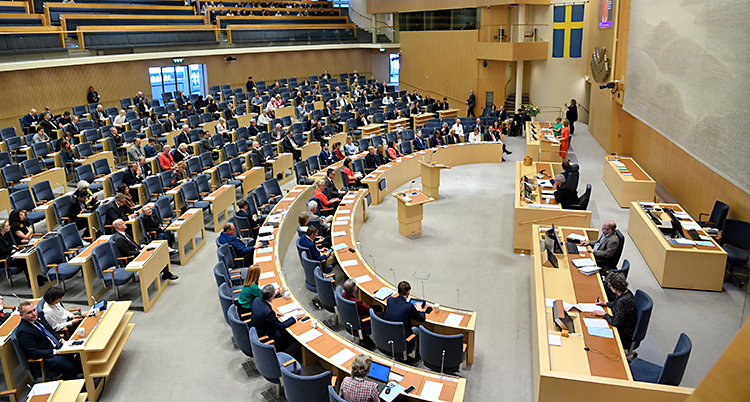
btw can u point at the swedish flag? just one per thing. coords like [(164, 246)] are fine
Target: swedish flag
[(567, 33)]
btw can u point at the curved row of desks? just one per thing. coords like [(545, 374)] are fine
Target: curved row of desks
[(321, 343)]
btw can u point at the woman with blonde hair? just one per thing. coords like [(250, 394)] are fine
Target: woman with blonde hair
[(250, 290), (356, 388)]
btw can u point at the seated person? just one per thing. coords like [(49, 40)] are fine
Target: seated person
[(326, 158), (323, 238), (372, 159), (399, 309), (38, 340), (166, 162), (125, 190), (129, 247), (350, 293), (228, 236), (266, 321), (353, 179), (349, 147), (331, 185), (57, 316), (133, 174), (607, 245), (209, 146), (150, 148), (40, 136), (624, 312), (333, 203), (155, 227), (118, 209), (289, 146), (322, 254), (393, 152), (564, 195), (77, 207), (356, 388), (250, 291), (7, 248), (419, 143), (254, 220)]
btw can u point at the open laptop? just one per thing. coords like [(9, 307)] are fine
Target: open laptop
[(379, 373)]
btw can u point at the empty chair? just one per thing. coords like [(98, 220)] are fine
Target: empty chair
[(301, 173), (83, 150), (70, 239), (42, 192), (164, 209), (583, 201), (239, 331), (207, 160), (224, 171), (154, 189), (363, 144), (717, 217), (671, 372), (441, 353), (407, 135), (22, 200), (53, 263), (324, 285), (238, 166), (14, 147), (194, 166), (190, 196), (405, 147), (41, 151), (107, 269), (31, 167), (308, 267), (12, 176), (644, 305), (735, 240), (376, 140), (273, 190), (389, 337), (313, 163), (226, 299), (101, 168), (5, 158), (299, 388), (268, 361), (60, 208), (204, 188), (230, 150)]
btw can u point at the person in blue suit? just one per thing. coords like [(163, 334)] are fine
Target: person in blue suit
[(308, 243), (419, 143), (399, 309), (266, 320), (326, 158), (227, 236)]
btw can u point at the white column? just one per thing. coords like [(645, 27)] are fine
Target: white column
[(519, 84), (521, 20), (375, 30)]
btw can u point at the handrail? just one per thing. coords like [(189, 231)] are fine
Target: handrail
[(514, 33), (368, 18), (435, 92)]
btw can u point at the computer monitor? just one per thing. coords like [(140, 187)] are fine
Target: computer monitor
[(561, 317), (653, 217), (676, 225), (552, 241), (379, 372)]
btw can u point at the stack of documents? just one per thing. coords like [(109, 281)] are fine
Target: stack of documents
[(586, 266)]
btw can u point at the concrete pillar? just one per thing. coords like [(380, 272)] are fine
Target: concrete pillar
[(375, 29), (521, 20), (519, 84)]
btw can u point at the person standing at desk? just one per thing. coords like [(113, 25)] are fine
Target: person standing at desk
[(128, 247), (565, 139), (399, 309), (267, 323), (38, 340), (624, 315), (571, 114)]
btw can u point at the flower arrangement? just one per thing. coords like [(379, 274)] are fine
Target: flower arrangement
[(532, 109)]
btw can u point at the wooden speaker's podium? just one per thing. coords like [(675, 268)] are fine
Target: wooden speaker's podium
[(410, 211), (431, 178)]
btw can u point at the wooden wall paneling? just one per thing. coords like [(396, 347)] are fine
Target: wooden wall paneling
[(389, 6)]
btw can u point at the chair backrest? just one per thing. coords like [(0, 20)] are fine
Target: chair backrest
[(736, 233), (363, 144), (166, 179), (333, 396), (347, 310), (718, 215), (31, 167), (359, 165), (164, 208), (104, 258), (308, 265), (265, 357), (243, 226), (226, 300), (69, 237), (644, 305), (300, 170), (405, 147), (325, 290), (48, 251), (41, 149), (22, 358), (219, 269), (101, 166), (225, 254), (625, 270), (240, 331), (441, 351), (225, 171), (674, 365), (573, 176), (272, 187), (376, 140), (84, 149), (388, 335), (202, 182), (60, 207), (189, 191), (313, 163), (583, 201), (194, 166), (238, 165), (21, 199), (115, 179), (85, 172), (299, 388), (206, 159), (11, 173), (231, 150)]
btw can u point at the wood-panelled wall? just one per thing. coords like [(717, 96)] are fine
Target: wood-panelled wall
[(63, 87), (390, 6), (694, 185)]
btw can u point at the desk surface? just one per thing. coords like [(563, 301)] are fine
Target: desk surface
[(328, 343)]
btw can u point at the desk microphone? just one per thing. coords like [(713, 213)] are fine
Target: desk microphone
[(412, 184), (393, 349), (18, 300), (373, 261), (433, 153), (458, 297), (423, 299), (394, 275)]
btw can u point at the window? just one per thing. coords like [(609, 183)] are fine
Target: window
[(440, 20), (191, 79)]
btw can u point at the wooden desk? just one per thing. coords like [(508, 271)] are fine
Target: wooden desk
[(32, 264), (338, 137), (371, 129), (395, 123), (251, 179), (559, 372), (148, 265), (83, 258), (699, 267), (9, 358), (100, 155), (105, 339), (311, 149), (410, 211), (540, 148), (285, 111), (447, 113), (220, 201), (185, 229), (540, 211), (244, 120), (329, 343), (65, 391), (431, 178), (420, 119), (354, 206), (627, 181), (281, 165), (5, 201), (55, 176)]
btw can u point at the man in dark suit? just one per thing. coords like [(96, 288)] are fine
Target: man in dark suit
[(288, 145), (419, 143), (132, 176), (30, 118), (77, 207), (254, 220), (516, 128), (250, 85), (138, 98), (267, 323), (471, 102), (73, 127), (307, 242), (399, 309), (228, 236), (117, 210), (317, 133), (38, 340), (99, 116), (565, 195), (371, 160), (129, 247), (325, 76), (171, 124), (49, 124), (442, 105), (333, 192), (259, 153)]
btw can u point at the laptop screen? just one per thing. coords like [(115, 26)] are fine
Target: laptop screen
[(379, 372)]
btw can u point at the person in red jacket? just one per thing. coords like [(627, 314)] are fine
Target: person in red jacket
[(320, 184), (165, 159)]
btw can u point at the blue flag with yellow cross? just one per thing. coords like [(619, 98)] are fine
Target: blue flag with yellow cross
[(567, 31)]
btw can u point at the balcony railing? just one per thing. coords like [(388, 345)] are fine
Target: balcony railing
[(513, 33)]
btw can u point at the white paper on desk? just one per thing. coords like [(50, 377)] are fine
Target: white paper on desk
[(289, 307), (544, 183), (547, 206), (339, 246), (581, 249), (265, 229), (265, 258), (266, 238), (296, 190), (595, 322), (100, 179), (343, 211), (135, 264), (589, 307), (453, 320), (548, 302), (344, 202), (548, 192), (576, 236), (554, 340), (362, 279), (370, 176), (583, 262), (290, 314), (567, 306), (309, 335), (44, 388), (684, 242), (209, 198), (691, 225), (337, 234), (547, 196), (266, 275), (705, 238), (43, 206), (77, 260), (343, 218), (342, 357), (348, 263), (288, 199), (339, 223), (265, 250), (431, 390), (682, 215)]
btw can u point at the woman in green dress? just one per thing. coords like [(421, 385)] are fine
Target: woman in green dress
[(250, 291)]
